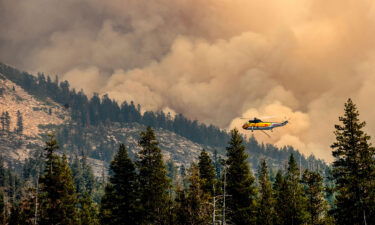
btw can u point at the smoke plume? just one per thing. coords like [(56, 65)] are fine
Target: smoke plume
[(212, 60)]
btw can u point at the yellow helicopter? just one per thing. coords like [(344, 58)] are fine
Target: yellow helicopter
[(257, 124)]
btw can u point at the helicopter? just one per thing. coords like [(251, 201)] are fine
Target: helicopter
[(258, 124)]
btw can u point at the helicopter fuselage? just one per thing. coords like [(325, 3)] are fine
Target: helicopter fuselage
[(263, 125)]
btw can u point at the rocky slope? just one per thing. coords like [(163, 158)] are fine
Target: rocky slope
[(43, 116)]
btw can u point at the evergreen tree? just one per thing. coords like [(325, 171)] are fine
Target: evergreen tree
[(266, 202), (77, 175), (2, 208), (88, 175), (57, 193), (2, 121), (198, 207), (181, 207), (26, 216), (82, 175), (240, 183), (206, 173), (7, 120), (218, 164), (279, 189), (294, 206), (19, 128), (171, 170), (88, 213), (153, 180), (353, 170), (316, 204), (119, 203)]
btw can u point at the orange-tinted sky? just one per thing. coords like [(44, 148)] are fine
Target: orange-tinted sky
[(212, 60)]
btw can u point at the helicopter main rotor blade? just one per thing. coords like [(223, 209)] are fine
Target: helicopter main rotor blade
[(260, 117)]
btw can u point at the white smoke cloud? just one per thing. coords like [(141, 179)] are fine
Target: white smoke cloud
[(214, 60)]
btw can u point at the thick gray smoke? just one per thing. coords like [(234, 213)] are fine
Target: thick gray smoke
[(212, 60)]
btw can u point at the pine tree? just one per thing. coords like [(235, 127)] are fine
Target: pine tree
[(316, 204), (171, 170), (218, 164), (181, 209), (7, 120), (77, 175), (26, 216), (19, 128), (88, 175), (88, 212), (57, 193), (353, 170), (2, 208), (83, 176), (206, 173), (198, 207), (119, 203), (240, 183), (266, 202), (295, 211), (153, 181), (2, 121), (279, 189)]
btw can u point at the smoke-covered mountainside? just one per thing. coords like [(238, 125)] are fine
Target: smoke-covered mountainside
[(95, 126)]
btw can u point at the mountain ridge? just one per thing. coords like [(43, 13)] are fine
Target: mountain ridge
[(91, 117)]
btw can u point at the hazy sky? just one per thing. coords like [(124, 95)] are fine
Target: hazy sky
[(212, 60)]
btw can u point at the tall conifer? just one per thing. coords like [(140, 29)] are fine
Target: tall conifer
[(353, 170), (198, 205), (57, 193), (295, 202), (265, 212), (119, 203), (153, 181), (316, 204), (240, 183), (206, 173), (19, 128), (279, 189)]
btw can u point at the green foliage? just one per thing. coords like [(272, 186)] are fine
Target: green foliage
[(181, 209), (88, 211), (26, 206), (119, 203), (353, 170), (153, 181), (266, 202), (2, 208), (279, 189), (295, 205), (192, 205), (171, 170), (57, 194), (240, 183), (82, 175), (206, 173), (316, 204)]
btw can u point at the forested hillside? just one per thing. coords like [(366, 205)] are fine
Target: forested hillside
[(92, 114), (164, 169)]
